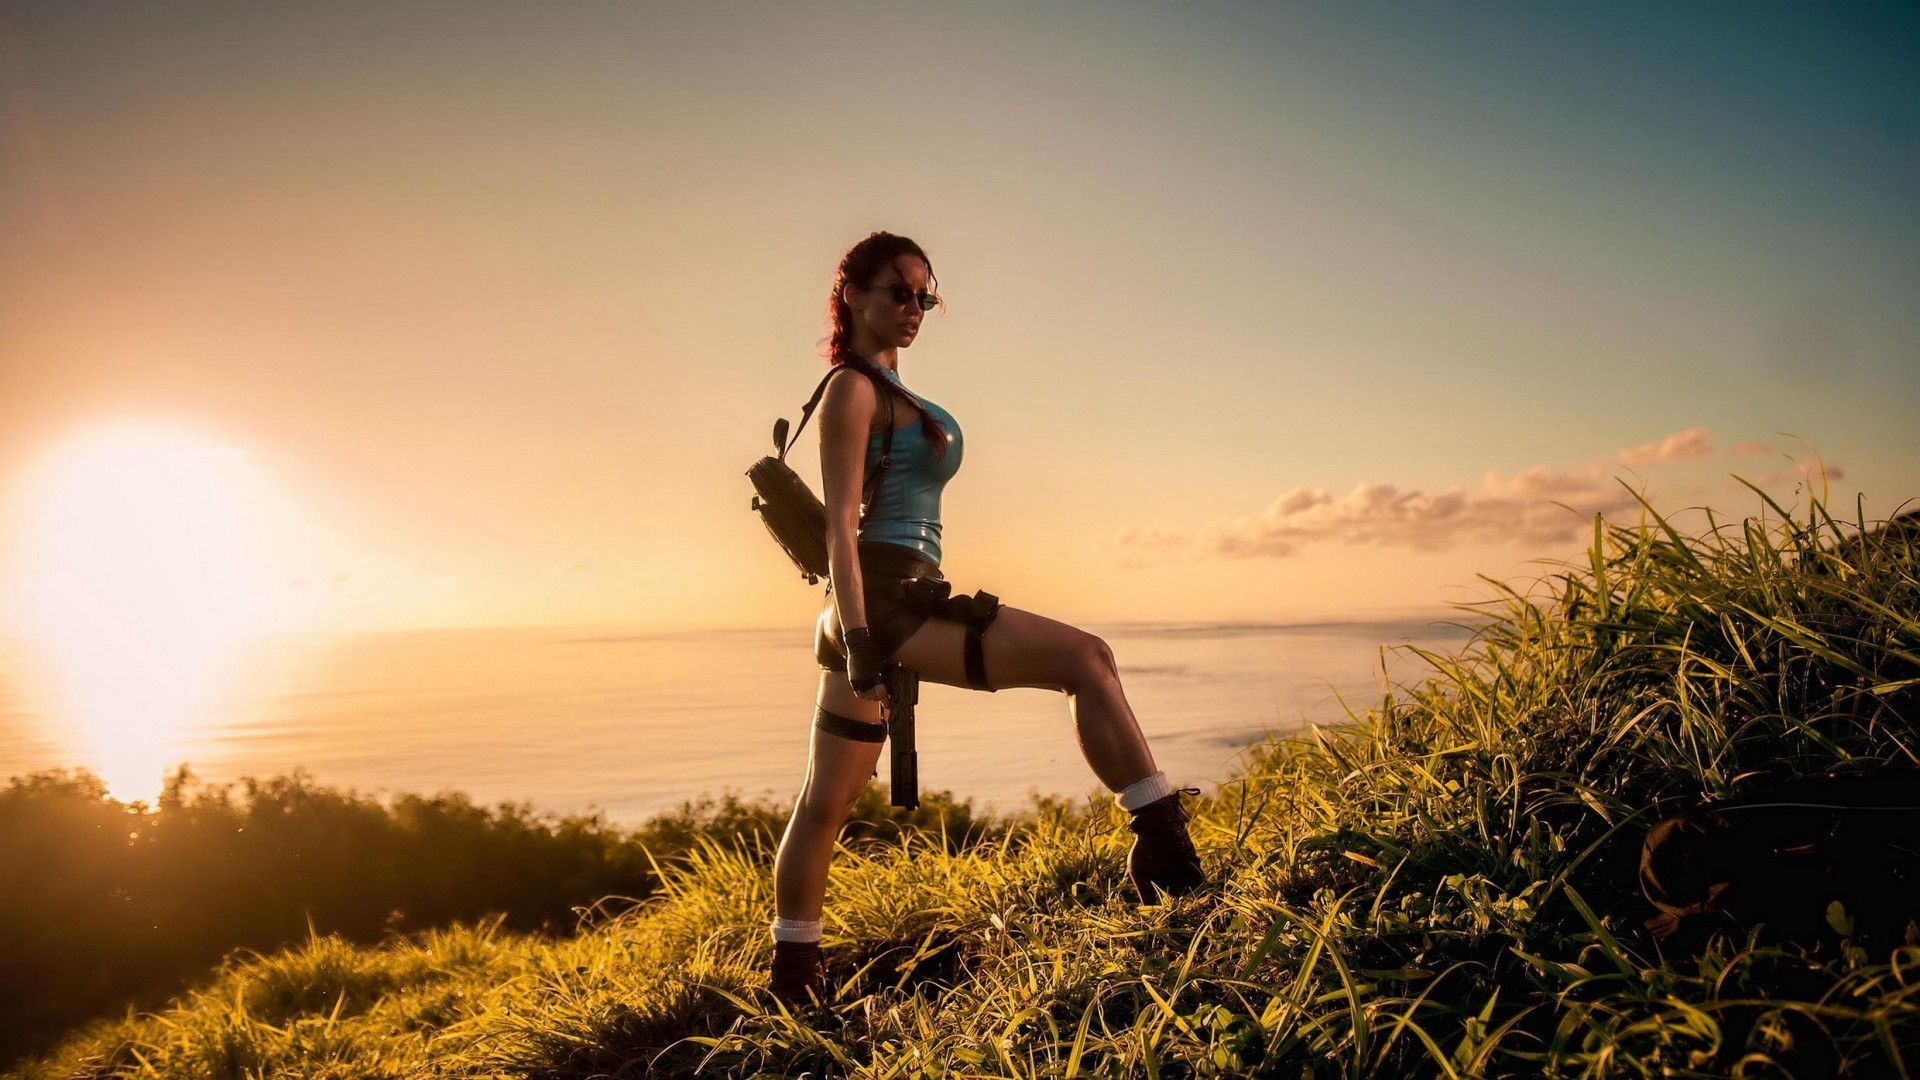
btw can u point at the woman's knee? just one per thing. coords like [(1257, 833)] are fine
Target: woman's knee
[(829, 799), (1092, 661), (824, 806)]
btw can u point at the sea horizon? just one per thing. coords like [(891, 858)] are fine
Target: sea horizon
[(614, 719)]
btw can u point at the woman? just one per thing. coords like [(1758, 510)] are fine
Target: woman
[(880, 294)]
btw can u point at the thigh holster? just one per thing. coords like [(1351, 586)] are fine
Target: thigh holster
[(975, 611), (847, 727)]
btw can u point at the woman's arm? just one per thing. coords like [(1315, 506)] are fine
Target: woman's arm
[(846, 415)]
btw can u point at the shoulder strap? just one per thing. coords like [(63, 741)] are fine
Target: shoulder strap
[(885, 388), (806, 412), (886, 455)]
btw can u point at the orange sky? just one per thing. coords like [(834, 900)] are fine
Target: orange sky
[(476, 315)]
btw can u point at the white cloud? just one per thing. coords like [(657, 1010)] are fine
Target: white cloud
[(1537, 506)]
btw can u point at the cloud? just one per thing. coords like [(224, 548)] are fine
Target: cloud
[(1682, 446), (1527, 508), (1751, 449), (1536, 506)]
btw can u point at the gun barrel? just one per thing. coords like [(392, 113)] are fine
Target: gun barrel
[(904, 686)]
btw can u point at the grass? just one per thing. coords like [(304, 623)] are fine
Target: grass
[(1442, 886), (107, 904)]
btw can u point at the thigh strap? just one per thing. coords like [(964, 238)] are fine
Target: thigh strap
[(934, 597), (981, 608), (847, 727)]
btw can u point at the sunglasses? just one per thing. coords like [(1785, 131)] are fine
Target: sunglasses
[(903, 295)]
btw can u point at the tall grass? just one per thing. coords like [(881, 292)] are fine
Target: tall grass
[(106, 903), (1442, 886)]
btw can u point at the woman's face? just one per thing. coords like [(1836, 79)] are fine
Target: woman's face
[(886, 320)]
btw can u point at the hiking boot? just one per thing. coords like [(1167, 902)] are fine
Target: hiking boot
[(799, 972), (1162, 857)]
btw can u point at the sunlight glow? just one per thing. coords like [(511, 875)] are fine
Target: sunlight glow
[(146, 569)]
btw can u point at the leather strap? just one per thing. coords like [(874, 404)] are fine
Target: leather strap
[(886, 388), (886, 454), (933, 596), (847, 727), (981, 609)]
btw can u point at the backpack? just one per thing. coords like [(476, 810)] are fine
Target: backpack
[(793, 515)]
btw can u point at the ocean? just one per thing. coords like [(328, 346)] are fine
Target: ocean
[(632, 724)]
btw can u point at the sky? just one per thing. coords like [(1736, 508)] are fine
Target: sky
[(366, 316)]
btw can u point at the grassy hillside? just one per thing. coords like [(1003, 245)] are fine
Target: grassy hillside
[(1444, 886), (106, 904)]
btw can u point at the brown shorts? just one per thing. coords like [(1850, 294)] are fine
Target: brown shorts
[(895, 612), (882, 568)]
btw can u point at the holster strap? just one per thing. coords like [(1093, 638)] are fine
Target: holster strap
[(981, 609), (975, 611), (847, 727)]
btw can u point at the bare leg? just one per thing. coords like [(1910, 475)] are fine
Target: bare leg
[(1028, 650), (837, 771), (1110, 736)]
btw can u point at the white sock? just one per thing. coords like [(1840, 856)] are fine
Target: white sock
[(796, 930), (1141, 792)]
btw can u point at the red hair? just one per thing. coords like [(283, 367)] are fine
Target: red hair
[(859, 266)]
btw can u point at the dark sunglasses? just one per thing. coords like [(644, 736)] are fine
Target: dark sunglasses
[(903, 295)]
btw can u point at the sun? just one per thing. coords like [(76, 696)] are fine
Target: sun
[(145, 567)]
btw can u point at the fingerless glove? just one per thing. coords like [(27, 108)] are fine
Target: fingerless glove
[(863, 659)]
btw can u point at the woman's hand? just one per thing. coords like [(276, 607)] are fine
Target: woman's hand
[(866, 668)]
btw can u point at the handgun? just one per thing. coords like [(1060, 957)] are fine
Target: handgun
[(903, 685)]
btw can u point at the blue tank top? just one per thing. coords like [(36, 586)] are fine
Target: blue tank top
[(906, 509)]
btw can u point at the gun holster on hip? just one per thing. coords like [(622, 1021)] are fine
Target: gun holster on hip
[(934, 597)]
